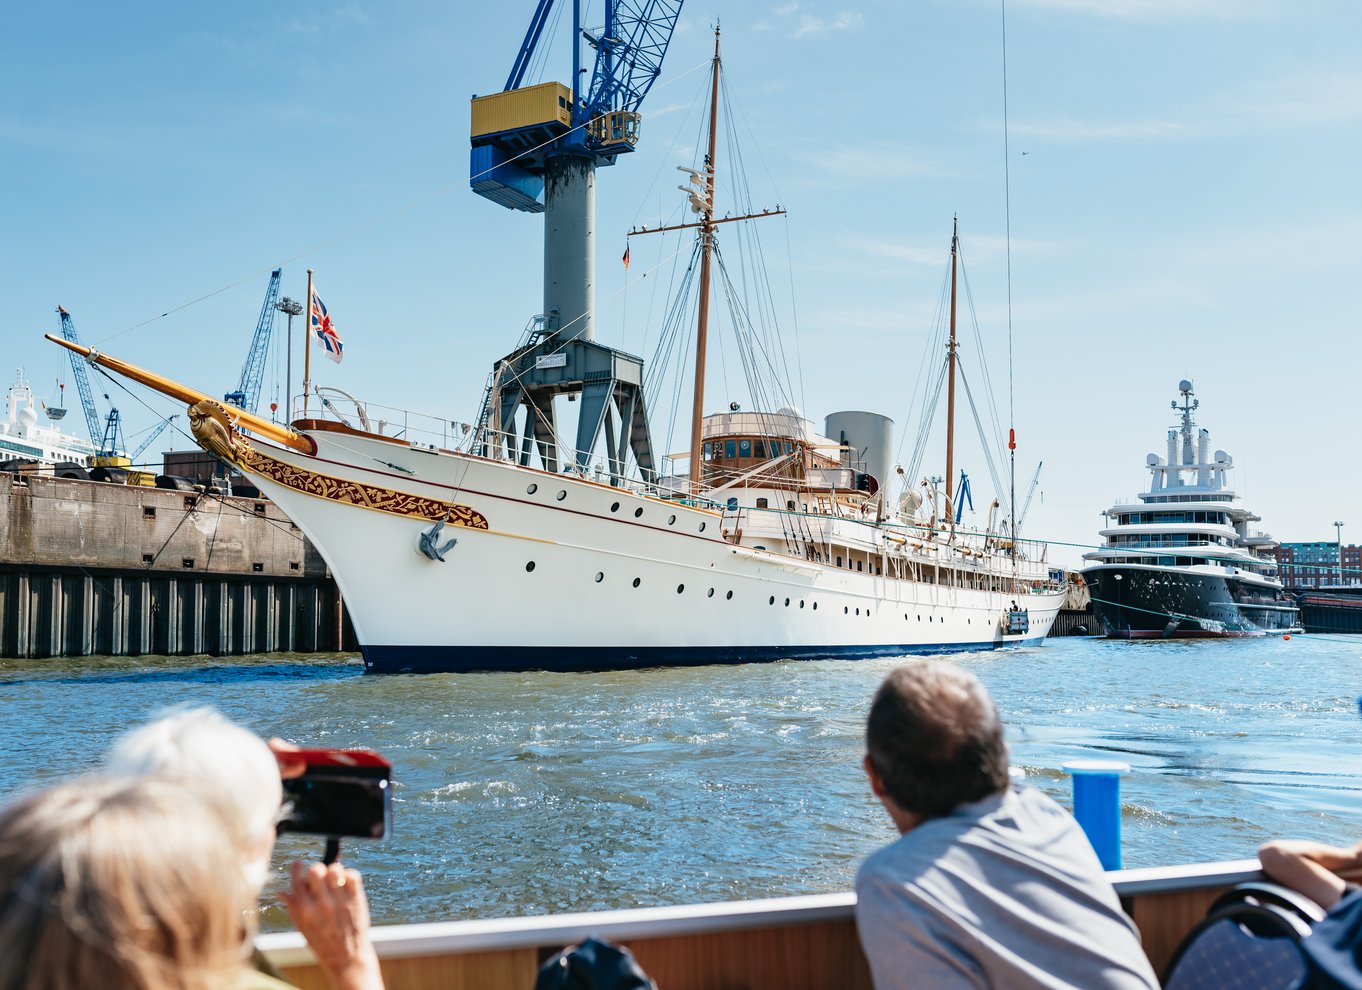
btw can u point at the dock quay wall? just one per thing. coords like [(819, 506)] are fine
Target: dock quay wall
[(1075, 616), (1325, 612), (90, 567)]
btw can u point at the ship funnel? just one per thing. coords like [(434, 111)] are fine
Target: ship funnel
[(1203, 456)]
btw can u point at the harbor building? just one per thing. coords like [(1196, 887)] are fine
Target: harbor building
[(1314, 565)]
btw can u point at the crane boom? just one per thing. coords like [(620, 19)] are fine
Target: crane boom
[(87, 400), (1035, 478), (629, 53), (156, 431), (247, 394)]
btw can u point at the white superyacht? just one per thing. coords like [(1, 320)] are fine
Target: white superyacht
[(1183, 560)]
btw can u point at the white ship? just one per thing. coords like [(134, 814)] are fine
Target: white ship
[(498, 547), (24, 438), (1182, 560)]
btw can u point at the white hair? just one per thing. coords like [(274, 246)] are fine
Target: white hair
[(202, 748)]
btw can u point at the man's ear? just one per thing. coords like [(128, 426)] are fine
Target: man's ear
[(876, 781)]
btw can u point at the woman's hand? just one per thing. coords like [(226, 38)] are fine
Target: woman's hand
[(328, 906)]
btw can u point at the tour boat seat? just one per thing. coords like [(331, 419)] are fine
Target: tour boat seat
[(1249, 940)]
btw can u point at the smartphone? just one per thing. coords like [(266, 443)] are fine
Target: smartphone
[(342, 792)]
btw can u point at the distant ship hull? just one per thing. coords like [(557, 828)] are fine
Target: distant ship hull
[(1154, 602)]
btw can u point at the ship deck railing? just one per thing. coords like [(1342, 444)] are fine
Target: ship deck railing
[(431, 432), (796, 943)]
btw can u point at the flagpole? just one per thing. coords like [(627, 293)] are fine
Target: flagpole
[(307, 346)]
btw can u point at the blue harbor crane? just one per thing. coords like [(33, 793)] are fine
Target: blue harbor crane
[(536, 149), (247, 394), (156, 431), (105, 436)]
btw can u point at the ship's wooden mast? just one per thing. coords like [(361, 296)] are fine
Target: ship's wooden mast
[(706, 252), (706, 227), (950, 389)]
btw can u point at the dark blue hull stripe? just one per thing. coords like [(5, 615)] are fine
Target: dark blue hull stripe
[(458, 659)]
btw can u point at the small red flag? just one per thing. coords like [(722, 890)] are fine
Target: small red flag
[(625, 259)]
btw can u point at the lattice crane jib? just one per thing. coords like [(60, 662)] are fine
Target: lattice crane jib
[(87, 400), (247, 394)]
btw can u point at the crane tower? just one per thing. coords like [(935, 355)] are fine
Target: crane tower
[(536, 149)]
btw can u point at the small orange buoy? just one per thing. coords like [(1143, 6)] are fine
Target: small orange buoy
[(1286, 636)]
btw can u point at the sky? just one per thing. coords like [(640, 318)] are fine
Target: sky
[(1177, 183)]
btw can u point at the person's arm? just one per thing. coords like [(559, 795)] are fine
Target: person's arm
[(1318, 871), (328, 906)]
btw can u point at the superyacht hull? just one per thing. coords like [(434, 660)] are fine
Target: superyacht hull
[(557, 572), (1160, 602)]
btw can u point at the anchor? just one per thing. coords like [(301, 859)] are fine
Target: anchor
[(430, 545)]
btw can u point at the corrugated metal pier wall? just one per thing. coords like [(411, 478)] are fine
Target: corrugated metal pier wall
[(94, 568)]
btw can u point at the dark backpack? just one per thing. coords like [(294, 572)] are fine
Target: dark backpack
[(593, 965)]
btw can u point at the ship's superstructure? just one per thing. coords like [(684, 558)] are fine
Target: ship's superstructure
[(24, 437), (1183, 559)]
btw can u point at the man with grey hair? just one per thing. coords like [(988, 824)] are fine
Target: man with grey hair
[(988, 885)]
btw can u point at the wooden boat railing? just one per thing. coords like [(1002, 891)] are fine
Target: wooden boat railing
[(795, 943)]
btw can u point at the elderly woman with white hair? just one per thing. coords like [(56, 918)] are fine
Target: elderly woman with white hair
[(121, 884), (238, 774)]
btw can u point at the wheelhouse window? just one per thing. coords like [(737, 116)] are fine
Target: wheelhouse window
[(730, 448), (759, 449)]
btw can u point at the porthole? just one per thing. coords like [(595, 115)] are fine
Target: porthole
[(771, 600), (638, 512), (529, 567), (858, 611), (919, 618), (671, 520), (600, 576), (561, 495), (702, 527), (729, 596), (801, 603), (845, 610), (614, 507), (815, 606), (680, 588), (711, 593), (787, 603), (637, 582), (531, 489)]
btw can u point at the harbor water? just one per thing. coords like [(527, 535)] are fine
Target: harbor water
[(529, 793)]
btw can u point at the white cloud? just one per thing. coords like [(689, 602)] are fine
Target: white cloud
[(1068, 129), (1320, 97), (896, 250), (810, 25), (1316, 98), (874, 161), (1156, 10)]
